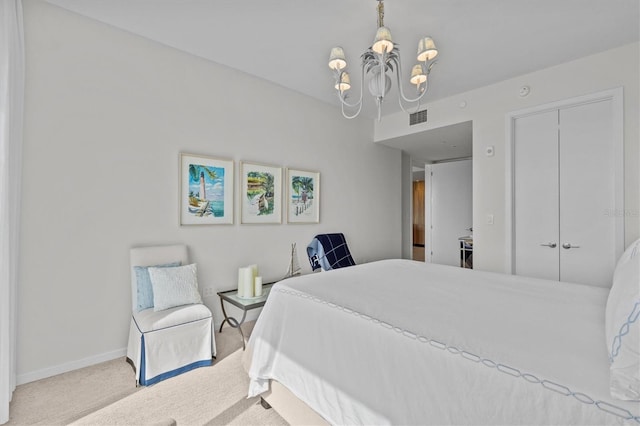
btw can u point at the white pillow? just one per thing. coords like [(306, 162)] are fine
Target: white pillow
[(174, 286), (622, 326)]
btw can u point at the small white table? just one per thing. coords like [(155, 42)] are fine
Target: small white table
[(246, 304)]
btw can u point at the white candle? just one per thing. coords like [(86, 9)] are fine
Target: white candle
[(254, 268), (240, 282), (247, 282), (257, 286)]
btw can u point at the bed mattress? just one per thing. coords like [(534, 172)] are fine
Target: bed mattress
[(403, 342)]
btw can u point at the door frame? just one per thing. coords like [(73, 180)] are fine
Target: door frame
[(428, 210), (616, 95), (428, 243)]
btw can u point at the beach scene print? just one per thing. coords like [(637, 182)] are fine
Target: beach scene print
[(260, 193), (206, 191), (301, 195)]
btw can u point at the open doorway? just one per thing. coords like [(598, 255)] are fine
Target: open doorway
[(418, 216), (423, 149)]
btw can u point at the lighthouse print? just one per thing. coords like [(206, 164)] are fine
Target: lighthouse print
[(206, 190)]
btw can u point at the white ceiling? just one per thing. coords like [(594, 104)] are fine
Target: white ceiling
[(288, 41)]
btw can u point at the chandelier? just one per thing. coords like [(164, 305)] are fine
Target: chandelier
[(378, 61)]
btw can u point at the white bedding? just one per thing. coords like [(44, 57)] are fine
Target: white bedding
[(402, 342)]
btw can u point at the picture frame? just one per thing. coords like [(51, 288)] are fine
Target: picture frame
[(206, 190), (303, 196), (260, 193)]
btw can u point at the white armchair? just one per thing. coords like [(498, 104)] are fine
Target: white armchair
[(165, 343)]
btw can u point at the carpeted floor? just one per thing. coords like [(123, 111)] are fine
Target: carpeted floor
[(105, 394)]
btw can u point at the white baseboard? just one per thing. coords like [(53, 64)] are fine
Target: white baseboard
[(69, 366), (32, 376)]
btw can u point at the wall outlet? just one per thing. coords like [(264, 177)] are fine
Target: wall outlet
[(208, 292)]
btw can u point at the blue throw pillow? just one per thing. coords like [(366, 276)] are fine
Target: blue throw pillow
[(144, 287)]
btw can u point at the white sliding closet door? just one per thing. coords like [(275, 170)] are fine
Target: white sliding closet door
[(565, 226)]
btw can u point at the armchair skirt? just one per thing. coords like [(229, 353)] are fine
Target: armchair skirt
[(167, 343)]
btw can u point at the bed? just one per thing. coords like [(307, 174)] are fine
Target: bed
[(404, 342)]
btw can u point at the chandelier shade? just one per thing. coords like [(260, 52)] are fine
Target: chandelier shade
[(344, 83), (426, 49), (417, 75), (378, 62), (383, 42), (336, 59)]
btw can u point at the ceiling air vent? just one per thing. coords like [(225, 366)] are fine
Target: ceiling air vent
[(418, 117)]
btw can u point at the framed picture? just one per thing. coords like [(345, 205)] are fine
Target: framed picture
[(206, 190), (303, 196), (261, 193)]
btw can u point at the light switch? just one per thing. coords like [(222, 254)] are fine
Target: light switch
[(489, 219)]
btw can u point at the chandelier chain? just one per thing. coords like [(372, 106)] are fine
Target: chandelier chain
[(380, 13)]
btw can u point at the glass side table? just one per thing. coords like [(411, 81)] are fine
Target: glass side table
[(231, 296)]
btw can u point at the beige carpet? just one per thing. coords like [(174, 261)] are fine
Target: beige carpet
[(105, 392), (214, 395), (63, 398)]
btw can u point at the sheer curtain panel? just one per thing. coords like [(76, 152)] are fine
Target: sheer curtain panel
[(11, 116)]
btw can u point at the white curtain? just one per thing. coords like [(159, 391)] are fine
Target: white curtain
[(11, 119)]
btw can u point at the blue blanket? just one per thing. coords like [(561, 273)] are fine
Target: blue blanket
[(329, 251)]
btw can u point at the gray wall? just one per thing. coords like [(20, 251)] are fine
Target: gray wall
[(488, 106), (107, 114)]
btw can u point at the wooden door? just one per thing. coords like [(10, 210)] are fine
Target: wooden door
[(418, 249)]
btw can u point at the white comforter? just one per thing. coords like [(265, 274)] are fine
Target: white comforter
[(402, 342)]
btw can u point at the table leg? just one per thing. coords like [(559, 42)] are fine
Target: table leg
[(234, 322), (226, 318)]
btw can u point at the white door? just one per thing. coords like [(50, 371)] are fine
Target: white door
[(564, 185), (587, 187), (449, 210), (536, 196)]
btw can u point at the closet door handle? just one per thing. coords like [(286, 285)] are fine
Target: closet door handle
[(552, 245), (568, 246)]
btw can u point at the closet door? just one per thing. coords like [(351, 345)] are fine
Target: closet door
[(536, 196), (566, 186), (587, 194)]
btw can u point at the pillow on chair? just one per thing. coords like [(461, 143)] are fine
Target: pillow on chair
[(174, 286), (144, 288)]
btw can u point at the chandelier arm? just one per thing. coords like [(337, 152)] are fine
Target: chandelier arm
[(401, 91), (418, 99), (347, 104), (408, 110), (344, 103), (349, 117), (357, 104)]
